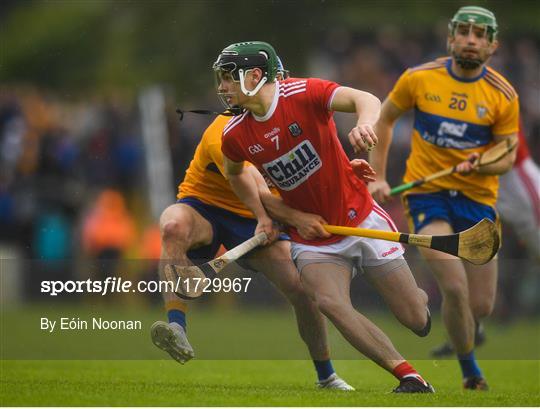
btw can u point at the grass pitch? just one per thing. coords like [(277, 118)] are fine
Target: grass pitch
[(245, 358), (251, 383)]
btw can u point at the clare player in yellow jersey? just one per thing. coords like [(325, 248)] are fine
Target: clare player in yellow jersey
[(461, 107), (207, 215)]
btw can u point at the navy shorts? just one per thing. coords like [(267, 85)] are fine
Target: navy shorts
[(449, 205), (228, 228)]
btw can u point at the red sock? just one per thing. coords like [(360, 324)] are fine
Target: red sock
[(404, 369)]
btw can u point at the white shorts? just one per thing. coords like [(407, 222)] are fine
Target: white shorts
[(519, 203), (354, 252)]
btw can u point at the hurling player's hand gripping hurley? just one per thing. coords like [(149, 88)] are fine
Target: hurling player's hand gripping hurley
[(478, 245), (490, 156), (185, 277)]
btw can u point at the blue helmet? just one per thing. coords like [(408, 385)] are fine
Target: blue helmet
[(281, 71)]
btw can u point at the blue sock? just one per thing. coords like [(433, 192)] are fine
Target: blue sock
[(177, 316), (468, 364), (324, 369)]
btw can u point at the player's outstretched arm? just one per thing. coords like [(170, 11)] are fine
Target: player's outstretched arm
[(379, 155), (246, 189), (367, 108), (308, 225)]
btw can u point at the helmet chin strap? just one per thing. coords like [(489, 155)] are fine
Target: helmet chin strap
[(243, 87), (232, 111)]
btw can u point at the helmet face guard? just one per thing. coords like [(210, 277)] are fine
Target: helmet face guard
[(224, 97), (239, 59)]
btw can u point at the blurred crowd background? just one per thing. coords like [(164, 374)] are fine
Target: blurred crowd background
[(78, 125)]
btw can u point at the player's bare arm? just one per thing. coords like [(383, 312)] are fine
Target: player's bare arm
[(367, 108), (246, 189), (308, 225), (498, 168), (380, 189)]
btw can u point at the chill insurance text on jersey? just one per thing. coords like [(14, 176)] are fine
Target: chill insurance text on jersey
[(297, 141), (294, 167)]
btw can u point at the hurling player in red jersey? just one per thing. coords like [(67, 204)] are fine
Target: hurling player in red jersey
[(285, 128)]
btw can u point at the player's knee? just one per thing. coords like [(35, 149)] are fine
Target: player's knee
[(415, 317), (293, 291), (455, 292), (422, 298), (174, 230), (329, 305), (413, 313), (482, 309)]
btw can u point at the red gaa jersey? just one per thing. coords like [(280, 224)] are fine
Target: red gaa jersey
[(296, 145), (522, 148)]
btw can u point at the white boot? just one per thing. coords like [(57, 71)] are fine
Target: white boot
[(334, 382), (172, 339)]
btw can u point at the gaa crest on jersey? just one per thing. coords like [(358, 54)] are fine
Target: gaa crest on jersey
[(295, 129), (294, 167), (481, 111), (257, 148), (432, 97)]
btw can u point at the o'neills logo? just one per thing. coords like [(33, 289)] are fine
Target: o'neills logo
[(273, 132), (295, 167), (391, 251)]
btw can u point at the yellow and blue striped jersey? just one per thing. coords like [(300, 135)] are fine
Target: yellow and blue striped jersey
[(204, 178), (454, 117)]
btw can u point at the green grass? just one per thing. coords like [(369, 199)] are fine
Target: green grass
[(227, 334), (250, 383), (244, 358)]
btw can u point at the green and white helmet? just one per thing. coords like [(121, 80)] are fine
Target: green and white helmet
[(477, 16), (239, 58)]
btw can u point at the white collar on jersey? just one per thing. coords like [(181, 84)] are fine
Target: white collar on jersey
[(272, 108)]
